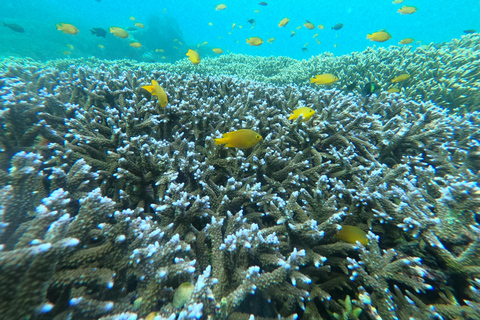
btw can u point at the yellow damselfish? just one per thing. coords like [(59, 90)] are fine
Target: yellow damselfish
[(119, 32), (400, 78), (158, 91), (309, 25), (243, 138), (380, 36), (407, 10), (135, 44), (254, 41), (393, 90), (352, 234), (406, 41), (324, 79), (221, 6), (193, 56), (283, 22), (217, 50), (67, 28), (305, 112), (139, 25)]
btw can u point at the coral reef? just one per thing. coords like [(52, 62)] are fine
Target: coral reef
[(109, 203)]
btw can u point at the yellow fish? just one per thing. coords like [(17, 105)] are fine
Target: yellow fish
[(406, 41), (305, 112), (309, 25), (256, 11), (66, 52), (135, 44), (204, 43), (318, 41), (233, 25), (221, 6), (380, 36), (67, 28), (400, 78), (321, 26), (397, 1), (243, 138), (119, 32), (210, 24), (271, 39), (393, 90), (182, 294), (283, 22), (407, 10), (254, 41), (71, 47), (352, 234), (101, 46), (159, 50), (193, 56), (298, 28), (163, 57), (315, 35), (217, 50), (324, 79), (158, 91), (139, 25), (132, 18)]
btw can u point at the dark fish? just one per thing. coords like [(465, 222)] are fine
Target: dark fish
[(14, 27), (262, 3), (351, 86), (469, 31), (369, 88), (304, 49), (99, 32), (131, 28), (338, 26), (252, 22)]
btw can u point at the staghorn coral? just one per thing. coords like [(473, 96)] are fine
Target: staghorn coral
[(153, 203)]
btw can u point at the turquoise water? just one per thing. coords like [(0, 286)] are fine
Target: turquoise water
[(188, 22)]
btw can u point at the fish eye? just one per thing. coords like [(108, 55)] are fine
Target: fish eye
[(258, 137)]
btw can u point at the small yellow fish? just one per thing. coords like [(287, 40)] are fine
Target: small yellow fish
[(135, 44), (66, 52), (324, 79), (210, 24), (119, 32), (352, 234), (318, 41), (283, 22), (159, 50), (67, 28), (240, 26), (393, 90), (305, 112), (256, 11), (298, 28), (407, 10), (101, 46), (243, 138), (380, 36), (221, 6), (180, 43), (271, 39), (315, 35), (204, 43), (335, 45), (193, 56), (175, 40), (233, 25), (293, 33), (156, 90), (163, 57), (132, 18), (306, 44), (406, 41), (254, 41), (309, 25), (321, 26), (71, 47), (400, 78), (397, 1), (139, 25), (182, 294), (217, 50)]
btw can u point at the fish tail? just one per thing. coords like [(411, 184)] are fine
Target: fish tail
[(312, 80), (92, 31), (58, 27), (220, 141), (247, 41)]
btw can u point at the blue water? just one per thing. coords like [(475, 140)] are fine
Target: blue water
[(188, 21)]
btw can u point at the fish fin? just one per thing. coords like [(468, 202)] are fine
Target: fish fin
[(312, 80), (58, 27), (220, 141), (149, 89)]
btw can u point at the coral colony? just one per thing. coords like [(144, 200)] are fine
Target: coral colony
[(112, 207)]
